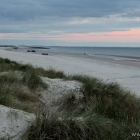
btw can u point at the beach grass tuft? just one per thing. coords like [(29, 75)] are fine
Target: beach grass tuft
[(33, 81), (94, 128)]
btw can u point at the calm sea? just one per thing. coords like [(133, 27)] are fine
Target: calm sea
[(116, 53)]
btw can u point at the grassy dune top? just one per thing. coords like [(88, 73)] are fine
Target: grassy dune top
[(105, 111)]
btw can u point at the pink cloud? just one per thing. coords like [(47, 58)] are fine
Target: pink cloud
[(119, 36), (132, 35)]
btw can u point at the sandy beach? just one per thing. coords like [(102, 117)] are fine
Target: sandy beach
[(126, 74)]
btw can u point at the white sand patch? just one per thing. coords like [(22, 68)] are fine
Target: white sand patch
[(57, 90), (14, 122)]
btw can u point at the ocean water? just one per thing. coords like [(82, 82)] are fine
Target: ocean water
[(116, 53)]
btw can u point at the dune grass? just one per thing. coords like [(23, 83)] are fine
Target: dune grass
[(8, 65), (108, 111), (16, 95), (107, 99), (33, 81), (66, 129), (96, 127), (17, 85)]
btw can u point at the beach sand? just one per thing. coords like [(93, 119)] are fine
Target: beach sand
[(124, 73)]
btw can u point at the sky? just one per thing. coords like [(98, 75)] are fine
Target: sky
[(70, 22)]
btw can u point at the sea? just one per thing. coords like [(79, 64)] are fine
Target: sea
[(130, 54)]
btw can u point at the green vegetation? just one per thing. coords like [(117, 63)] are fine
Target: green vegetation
[(109, 99), (16, 86), (94, 128), (105, 111), (33, 81)]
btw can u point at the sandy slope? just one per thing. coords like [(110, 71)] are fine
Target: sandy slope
[(127, 76), (57, 90)]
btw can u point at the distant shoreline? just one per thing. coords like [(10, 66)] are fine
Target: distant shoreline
[(76, 55)]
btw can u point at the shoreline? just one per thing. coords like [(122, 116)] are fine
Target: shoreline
[(125, 74), (123, 63), (77, 55)]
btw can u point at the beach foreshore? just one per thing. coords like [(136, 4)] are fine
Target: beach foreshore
[(124, 73)]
